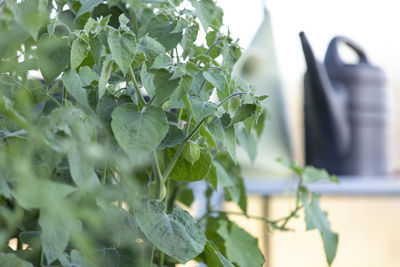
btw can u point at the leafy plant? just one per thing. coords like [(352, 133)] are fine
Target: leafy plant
[(97, 153)]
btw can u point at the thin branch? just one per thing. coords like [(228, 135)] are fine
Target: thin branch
[(135, 84), (181, 146), (229, 97), (201, 87), (214, 45)]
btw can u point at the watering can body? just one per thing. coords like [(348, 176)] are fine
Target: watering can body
[(346, 112)]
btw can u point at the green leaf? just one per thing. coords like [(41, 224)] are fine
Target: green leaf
[(183, 87), (315, 218), (104, 109), (229, 176), (216, 129), (213, 258), (216, 77), (185, 196), (33, 194), (4, 188), (247, 142), (73, 84), (174, 137), (151, 46), (189, 37), (212, 177), (241, 247), (291, 165), (208, 13), (79, 51), (182, 24), (123, 48), (185, 171), (123, 20), (140, 57), (223, 177), (164, 86), (243, 112), (230, 53), (177, 235), (55, 235), (147, 81), (8, 259), (77, 259), (87, 6), (53, 56), (162, 61), (30, 15), (87, 75), (211, 37), (201, 109), (138, 133), (106, 70), (313, 175), (160, 28), (82, 170), (230, 141)]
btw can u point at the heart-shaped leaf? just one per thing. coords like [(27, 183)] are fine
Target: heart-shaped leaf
[(176, 234), (53, 56), (138, 132), (123, 48)]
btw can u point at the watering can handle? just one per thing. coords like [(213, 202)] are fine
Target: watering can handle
[(332, 53), (322, 86)]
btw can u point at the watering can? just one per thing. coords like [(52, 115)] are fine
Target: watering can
[(346, 112)]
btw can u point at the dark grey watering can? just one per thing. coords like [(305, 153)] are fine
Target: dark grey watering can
[(346, 112)]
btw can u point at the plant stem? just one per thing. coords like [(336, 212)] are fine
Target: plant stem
[(135, 84), (152, 256), (214, 45), (298, 206), (64, 96), (201, 87), (104, 176), (189, 119), (162, 256), (159, 174), (179, 117), (229, 97), (53, 99), (242, 214), (41, 258), (181, 146), (177, 55), (7, 109)]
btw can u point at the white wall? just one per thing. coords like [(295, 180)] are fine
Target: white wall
[(374, 24)]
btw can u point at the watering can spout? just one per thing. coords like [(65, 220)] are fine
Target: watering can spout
[(321, 96)]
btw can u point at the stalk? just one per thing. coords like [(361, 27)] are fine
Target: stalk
[(229, 97), (135, 84)]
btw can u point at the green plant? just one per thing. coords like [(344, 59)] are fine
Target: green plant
[(93, 163)]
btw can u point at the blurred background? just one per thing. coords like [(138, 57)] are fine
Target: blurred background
[(365, 218)]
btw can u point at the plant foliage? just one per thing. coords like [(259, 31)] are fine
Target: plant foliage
[(108, 110)]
